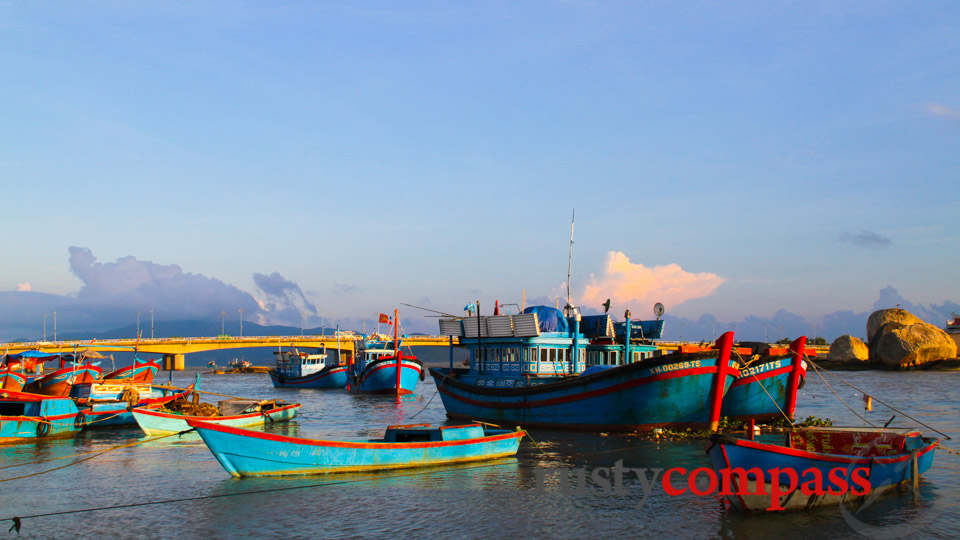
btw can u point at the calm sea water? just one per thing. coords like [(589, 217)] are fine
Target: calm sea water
[(491, 500)]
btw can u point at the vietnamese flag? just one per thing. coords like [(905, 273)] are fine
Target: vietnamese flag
[(385, 319)]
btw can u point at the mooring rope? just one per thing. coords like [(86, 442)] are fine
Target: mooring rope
[(816, 368), (887, 405), (755, 378), (18, 519)]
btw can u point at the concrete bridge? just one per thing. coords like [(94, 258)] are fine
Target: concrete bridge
[(173, 349)]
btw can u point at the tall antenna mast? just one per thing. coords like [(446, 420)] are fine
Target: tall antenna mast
[(570, 259)]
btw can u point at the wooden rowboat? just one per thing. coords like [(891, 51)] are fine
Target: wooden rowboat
[(234, 412), (819, 466), (244, 452)]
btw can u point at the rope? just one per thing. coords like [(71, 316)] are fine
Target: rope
[(762, 387), (878, 400), (816, 368), (18, 519), (98, 453), (425, 406)]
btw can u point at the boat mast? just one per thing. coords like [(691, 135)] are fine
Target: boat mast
[(570, 260)]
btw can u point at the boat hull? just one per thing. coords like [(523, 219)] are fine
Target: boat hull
[(250, 453), (59, 382), (327, 378), (12, 381), (154, 422), (761, 392), (97, 414), (882, 472), (140, 372), (39, 417), (380, 377), (674, 392)]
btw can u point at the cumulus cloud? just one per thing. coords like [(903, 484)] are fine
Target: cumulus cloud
[(285, 301), (24, 287), (131, 284), (865, 239), (943, 111), (627, 283)]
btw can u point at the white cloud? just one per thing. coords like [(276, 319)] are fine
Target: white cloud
[(938, 109), (635, 286), (24, 287)]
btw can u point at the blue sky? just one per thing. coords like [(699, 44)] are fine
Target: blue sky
[(726, 159)]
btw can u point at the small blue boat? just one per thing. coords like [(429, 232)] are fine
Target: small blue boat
[(539, 369), (297, 369), (818, 466), (766, 389), (245, 452), (27, 417), (381, 367)]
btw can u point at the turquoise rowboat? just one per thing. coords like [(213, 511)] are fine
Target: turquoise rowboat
[(233, 412), (244, 452)]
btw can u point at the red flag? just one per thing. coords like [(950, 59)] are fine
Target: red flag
[(385, 319)]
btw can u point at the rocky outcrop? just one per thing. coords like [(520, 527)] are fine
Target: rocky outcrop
[(899, 340), (848, 349), (879, 318)]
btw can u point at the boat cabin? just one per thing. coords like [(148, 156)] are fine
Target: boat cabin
[(516, 350), (296, 363), (425, 433)]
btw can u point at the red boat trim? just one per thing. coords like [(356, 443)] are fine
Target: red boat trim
[(583, 395), (736, 486), (349, 444), (835, 458)]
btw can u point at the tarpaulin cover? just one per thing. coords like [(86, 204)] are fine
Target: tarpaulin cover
[(594, 326), (641, 329), (551, 319)]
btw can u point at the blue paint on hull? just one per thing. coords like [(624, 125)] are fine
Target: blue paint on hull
[(761, 391), (882, 471), (380, 377), (329, 378), (36, 417), (624, 398), (252, 453)]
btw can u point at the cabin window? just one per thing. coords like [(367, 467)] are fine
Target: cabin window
[(553, 355), (636, 356), (543, 355), (12, 409), (614, 358)]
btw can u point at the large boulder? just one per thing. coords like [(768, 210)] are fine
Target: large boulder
[(879, 318), (896, 345), (848, 349)]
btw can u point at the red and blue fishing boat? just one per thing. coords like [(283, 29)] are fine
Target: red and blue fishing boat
[(12, 380), (244, 452), (233, 412), (766, 389), (381, 367), (27, 417), (109, 403), (140, 371), (298, 369), (819, 466), (531, 369), (58, 383), (29, 363)]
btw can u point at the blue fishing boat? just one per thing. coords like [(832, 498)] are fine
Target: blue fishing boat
[(766, 388), (245, 452), (539, 369), (109, 403), (298, 369), (27, 417), (233, 412), (12, 380), (380, 367), (818, 466)]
